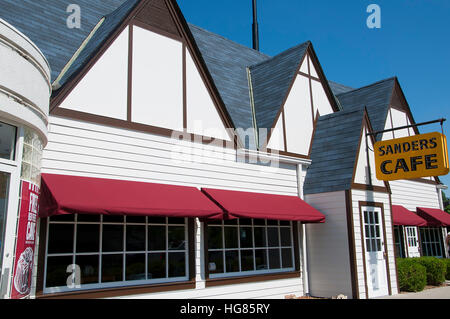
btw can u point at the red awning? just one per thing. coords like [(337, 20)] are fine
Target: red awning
[(264, 206), (404, 217), (61, 194), (434, 217)]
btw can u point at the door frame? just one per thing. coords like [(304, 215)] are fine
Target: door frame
[(363, 245)]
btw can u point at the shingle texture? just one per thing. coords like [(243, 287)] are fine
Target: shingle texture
[(334, 151)]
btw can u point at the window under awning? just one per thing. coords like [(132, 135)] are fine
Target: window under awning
[(264, 206), (434, 217), (404, 217), (62, 194)]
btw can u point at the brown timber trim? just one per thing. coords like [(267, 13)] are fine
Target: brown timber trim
[(392, 122), (156, 30), (310, 88), (364, 187), (425, 181), (284, 130), (289, 154), (363, 245), (309, 76), (107, 121), (130, 74), (352, 245), (41, 255), (250, 279), (313, 133)]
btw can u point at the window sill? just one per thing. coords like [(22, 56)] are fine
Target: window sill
[(118, 292), (251, 279)]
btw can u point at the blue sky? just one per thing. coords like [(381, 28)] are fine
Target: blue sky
[(413, 42)]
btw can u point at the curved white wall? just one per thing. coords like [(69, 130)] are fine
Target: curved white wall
[(25, 86)]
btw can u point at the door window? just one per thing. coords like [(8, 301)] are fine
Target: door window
[(4, 187), (372, 231)]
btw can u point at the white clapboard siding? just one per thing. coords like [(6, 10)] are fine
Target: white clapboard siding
[(412, 194), (366, 196), (328, 247)]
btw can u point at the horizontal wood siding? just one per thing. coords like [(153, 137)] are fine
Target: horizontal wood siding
[(92, 150), (412, 194), (368, 196), (328, 247)]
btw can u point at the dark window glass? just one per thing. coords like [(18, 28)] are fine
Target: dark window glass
[(112, 240), (246, 237), (261, 259), (135, 267), (214, 222), (247, 260), (215, 259), (177, 238), (63, 218), (274, 259), (260, 236), (272, 222), (231, 222), (88, 218), (135, 238), (176, 221), (88, 240), (285, 223), (113, 219), (60, 239), (89, 268), (135, 219), (232, 260), (231, 237), (259, 222), (177, 265), (112, 268), (156, 220), (7, 141), (285, 236), (215, 240), (56, 271), (286, 257), (156, 265), (273, 239), (156, 238), (245, 222)]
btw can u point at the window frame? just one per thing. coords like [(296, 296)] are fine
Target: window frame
[(217, 279), (166, 283), (430, 240)]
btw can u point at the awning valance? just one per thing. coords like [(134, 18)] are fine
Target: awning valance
[(405, 217), (264, 206), (434, 217), (62, 194)]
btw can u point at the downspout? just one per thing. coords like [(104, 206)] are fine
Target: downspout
[(252, 106), (302, 237)]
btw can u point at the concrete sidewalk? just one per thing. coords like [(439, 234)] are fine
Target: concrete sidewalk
[(434, 293)]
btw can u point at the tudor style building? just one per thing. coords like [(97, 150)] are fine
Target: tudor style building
[(180, 164)]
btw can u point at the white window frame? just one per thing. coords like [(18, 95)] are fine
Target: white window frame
[(124, 252), (411, 236), (254, 249)]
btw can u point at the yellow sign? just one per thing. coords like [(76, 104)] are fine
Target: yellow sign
[(412, 157)]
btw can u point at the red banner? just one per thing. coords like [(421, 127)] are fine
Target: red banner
[(26, 240)]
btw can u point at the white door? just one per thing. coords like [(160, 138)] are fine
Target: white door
[(412, 241), (375, 252)]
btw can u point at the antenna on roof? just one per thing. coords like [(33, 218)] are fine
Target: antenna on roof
[(255, 27)]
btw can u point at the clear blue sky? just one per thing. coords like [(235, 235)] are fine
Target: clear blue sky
[(412, 44)]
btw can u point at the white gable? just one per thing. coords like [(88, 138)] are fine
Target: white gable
[(157, 87), (312, 68), (320, 99), (399, 118), (202, 116), (276, 141), (304, 67), (103, 90), (388, 126)]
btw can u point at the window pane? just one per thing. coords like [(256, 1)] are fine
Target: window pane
[(232, 261), (245, 221), (366, 218), (156, 220), (261, 259), (230, 222), (215, 259), (177, 265), (246, 237), (368, 245), (112, 268), (156, 265), (272, 222), (156, 238), (272, 234), (135, 238), (62, 218), (274, 259), (231, 237), (88, 240), (113, 219), (56, 271), (285, 223), (376, 217), (135, 267), (176, 221), (7, 141), (286, 257), (285, 236), (4, 185), (112, 238), (135, 220), (214, 222), (215, 240), (88, 218), (89, 268), (247, 260), (177, 238), (60, 238), (260, 236), (260, 222)]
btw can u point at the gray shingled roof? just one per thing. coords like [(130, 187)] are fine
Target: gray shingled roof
[(376, 97), (334, 151), (44, 22), (338, 88)]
